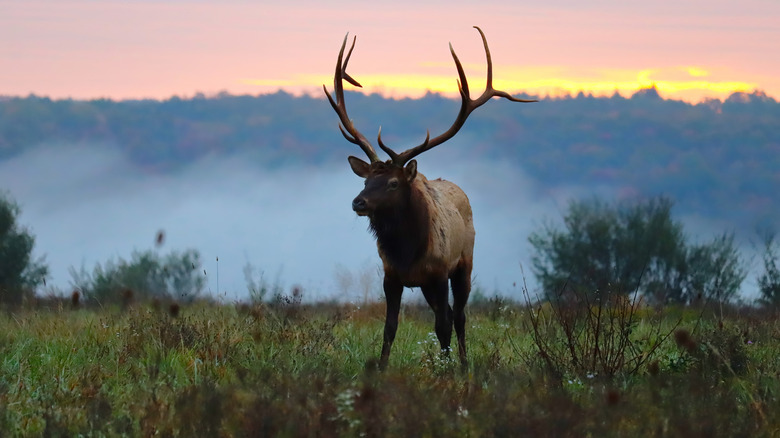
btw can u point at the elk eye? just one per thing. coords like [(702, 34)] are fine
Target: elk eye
[(392, 184)]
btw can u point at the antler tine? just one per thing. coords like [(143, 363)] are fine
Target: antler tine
[(489, 82), (346, 61), (346, 127), (489, 90), (463, 83), (467, 106), (392, 153)]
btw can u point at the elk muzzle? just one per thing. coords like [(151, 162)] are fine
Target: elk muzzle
[(360, 206)]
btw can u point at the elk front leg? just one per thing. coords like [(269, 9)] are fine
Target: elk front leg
[(437, 296), (461, 288), (393, 291)]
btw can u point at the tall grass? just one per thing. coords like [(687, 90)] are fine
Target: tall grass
[(291, 369)]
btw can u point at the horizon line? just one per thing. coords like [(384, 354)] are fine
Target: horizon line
[(309, 92)]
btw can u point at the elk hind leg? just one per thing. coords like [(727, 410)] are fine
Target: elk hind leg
[(437, 296)]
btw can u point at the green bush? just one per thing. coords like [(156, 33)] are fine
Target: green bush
[(19, 273), (146, 275), (258, 286), (633, 246), (769, 280)]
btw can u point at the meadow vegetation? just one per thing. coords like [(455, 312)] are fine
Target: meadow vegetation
[(290, 369)]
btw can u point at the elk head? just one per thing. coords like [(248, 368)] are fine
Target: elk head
[(386, 185)]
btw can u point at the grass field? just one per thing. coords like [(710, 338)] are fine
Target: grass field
[(310, 370)]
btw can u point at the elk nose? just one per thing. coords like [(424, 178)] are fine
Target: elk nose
[(358, 204)]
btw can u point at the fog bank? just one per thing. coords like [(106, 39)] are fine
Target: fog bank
[(87, 204)]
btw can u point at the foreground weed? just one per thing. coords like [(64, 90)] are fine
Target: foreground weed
[(607, 334)]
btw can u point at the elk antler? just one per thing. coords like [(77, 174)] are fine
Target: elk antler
[(346, 127), (467, 106)]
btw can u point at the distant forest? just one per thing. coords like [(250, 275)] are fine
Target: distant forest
[(719, 159)]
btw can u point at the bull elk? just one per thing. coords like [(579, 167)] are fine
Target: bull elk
[(424, 229)]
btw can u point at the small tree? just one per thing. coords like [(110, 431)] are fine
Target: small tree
[(716, 269), (19, 273), (626, 247), (769, 280), (258, 286), (607, 247)]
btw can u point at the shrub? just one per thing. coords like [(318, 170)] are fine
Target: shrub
[(258, 286), (588, 335), (146, 275), (19, 273), (769, 280), (633, 246)]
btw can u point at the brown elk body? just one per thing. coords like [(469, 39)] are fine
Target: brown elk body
[(424, 228)]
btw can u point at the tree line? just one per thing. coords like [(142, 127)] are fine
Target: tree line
[(718, 159)]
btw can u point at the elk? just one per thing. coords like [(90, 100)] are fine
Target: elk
[(423, 228)]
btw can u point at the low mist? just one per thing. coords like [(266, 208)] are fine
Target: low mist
[(87, 204)]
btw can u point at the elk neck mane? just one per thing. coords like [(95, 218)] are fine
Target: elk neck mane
[(403, 232)]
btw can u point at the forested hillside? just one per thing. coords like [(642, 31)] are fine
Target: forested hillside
[(716, 159)]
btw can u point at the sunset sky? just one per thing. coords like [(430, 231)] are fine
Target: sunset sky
[(160, 48)]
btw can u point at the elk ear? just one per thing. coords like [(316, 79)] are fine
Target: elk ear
[(359, 166), (411, 170)]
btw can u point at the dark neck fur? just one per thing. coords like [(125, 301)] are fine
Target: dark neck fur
[(402, 232)]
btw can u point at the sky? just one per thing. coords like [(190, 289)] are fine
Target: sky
[(688, 49)]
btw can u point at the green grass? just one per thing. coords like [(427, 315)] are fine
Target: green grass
[(290, 370)]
